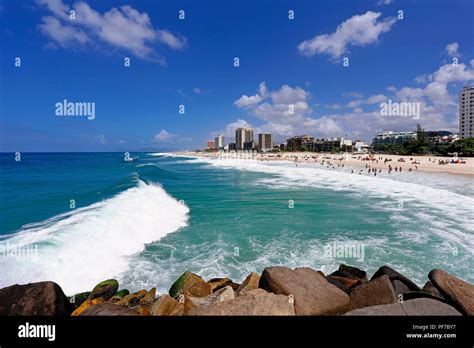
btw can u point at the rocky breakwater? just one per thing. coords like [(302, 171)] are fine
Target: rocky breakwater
[(277, 291)]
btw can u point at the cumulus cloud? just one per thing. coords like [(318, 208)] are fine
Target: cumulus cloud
[(122, 28), (452, 49), (164, 137), (359, 30)]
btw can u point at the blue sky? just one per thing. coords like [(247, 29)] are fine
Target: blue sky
[(284, 64)]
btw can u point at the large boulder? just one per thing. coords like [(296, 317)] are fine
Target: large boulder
[(430, 288), (44, 298), (224, 294), (107, 309), (132, 299), (376, 292), (79, 298), (105, 289), (394, 275), (219, 283), (456, 291), (166, 305), (354, 272), (313, 294), (250, 283), (420, 306), (148, 299), (343, 283), (190, 284), (255, 302)]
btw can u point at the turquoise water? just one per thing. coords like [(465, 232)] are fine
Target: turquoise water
[(147, 221)]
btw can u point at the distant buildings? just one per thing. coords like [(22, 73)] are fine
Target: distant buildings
[(211, 144), (466, 111), (219, 142), (265, 142), (392, 138), (297, 143), (242, 136)]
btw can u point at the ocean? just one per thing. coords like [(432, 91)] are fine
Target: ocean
[(80, 218)]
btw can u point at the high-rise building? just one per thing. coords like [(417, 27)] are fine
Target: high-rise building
[(242, 136), (265, 142), (219, 142), (466, 111)]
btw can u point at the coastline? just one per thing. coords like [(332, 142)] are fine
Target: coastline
[(376, 161)]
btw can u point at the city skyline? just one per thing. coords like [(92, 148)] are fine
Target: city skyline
[(182, 86)]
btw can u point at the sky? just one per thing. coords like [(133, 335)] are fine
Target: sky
[(320, 68)]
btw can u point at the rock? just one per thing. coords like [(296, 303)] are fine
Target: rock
[(148, 299), (347, 283), (122, 293), (44, 298), (354, 272), (250, 283), (376, 292), (457, 292), (105, 289), (420, 306), (313, 294), (166, 305), (255, 302), (132, 299), (430, 288), (224, 294), (411, 295), (79, 299), (107, 309), (394, 275), (400, 287), (86, 304), (142, 310), (190, 284), (218, 283)]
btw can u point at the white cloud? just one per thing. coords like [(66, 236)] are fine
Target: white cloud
[(246, 101), (121, 28), (101, 139), (359, 30), (164, 137), (384, 2), (452, 49), (197, 90)]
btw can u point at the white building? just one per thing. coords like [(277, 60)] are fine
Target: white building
[(466, 112), (219, 142)]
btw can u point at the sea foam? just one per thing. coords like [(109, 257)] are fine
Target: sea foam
[(81, 248)]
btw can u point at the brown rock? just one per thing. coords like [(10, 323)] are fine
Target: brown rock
[(148, 299), (224, 294), (354, 272), (456, 291), (142, 310), (44, 298), (218, 283), (348, 283), (376, 292), (86, 304), (400, 288), (255, 302), (168, 306), (421, 306), (313, 294), (132, 299), (107, 309), (430, 288), (394, 275), (250, 283), (190, 284)]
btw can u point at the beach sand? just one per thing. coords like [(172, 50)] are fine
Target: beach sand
[(364, 161)]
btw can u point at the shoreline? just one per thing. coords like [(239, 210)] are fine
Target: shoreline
[(376, 162)]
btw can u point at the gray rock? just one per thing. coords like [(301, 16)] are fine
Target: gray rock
[(255, 302), (421, 306), (400, 287), (313, 294), (394, 275), (430, 288)]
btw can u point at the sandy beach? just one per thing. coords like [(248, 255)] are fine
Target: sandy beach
[(375, 163)]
